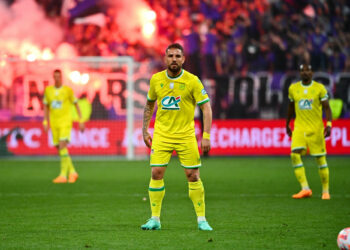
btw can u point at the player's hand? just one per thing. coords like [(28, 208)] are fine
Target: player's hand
[(289, 131), (147, 139), (205, 146), (327, 131), (81, 126)]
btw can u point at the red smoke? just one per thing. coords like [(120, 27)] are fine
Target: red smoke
[(26, 32), (135, 20)]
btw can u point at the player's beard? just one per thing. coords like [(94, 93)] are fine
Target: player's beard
[(305, 78), (174, 69)]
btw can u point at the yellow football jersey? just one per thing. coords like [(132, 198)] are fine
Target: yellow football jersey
[(60, 102), (176, 100), (307, 102)]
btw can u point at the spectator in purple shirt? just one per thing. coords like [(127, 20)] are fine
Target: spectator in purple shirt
[(317, 45), (209, 51), (191, 40)]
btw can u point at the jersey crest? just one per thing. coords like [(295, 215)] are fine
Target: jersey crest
[(305, 104), (171, 103)]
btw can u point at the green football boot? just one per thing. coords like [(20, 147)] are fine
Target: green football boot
[(151, 224), (204, 226)]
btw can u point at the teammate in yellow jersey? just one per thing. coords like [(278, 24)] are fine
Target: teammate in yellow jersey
[(177, 92), (307, 100), (58, 100)]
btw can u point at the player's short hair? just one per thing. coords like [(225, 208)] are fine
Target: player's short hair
[(175, 46), (305, 64), (57, 71)]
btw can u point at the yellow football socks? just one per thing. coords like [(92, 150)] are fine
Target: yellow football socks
[(324, 173), (64, 161), (299, 170), (71, 168), (196, 193), (156, 192)]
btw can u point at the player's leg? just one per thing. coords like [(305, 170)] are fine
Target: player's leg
[(318, 149), (156, 192), (324, 175), (64, 161), (298, 148), (160, 156), (190, 161), (62, 178), (64, 140), (196, 194)]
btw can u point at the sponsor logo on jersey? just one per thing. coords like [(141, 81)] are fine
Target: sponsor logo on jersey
[(182, 86), (204, 92), (56, 104), (171, 103), (305, 104)]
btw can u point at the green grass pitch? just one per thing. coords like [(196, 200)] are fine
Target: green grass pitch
[(248, 203)]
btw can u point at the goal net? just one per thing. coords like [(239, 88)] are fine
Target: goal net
[(111, 94)]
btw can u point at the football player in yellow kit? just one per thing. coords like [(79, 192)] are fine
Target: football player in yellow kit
[(58, 100), (176, 92), (308, 99)]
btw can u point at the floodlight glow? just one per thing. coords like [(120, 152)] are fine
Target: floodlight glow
[(47, 54), (97, 84), (75, 76), (31, 57), (150, 15), (148, 29), (85, 78)]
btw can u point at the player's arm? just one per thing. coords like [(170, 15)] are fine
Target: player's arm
[(327, 110), (290, 115), (81, 122), (147, 116), (46, 118), (74, 100), (207, 120)]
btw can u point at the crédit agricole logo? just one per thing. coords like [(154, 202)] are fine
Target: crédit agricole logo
[(171, 103), (305, 104)]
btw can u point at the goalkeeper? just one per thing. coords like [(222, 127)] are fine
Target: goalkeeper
[(58, 100), (176, 92)]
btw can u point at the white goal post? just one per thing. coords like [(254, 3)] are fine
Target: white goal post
[(130, 100)]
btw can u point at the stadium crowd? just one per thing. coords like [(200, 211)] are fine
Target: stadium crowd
[(222, 36)]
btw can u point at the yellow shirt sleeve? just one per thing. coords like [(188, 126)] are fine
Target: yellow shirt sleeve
[(151, 95), (290, 94), (323, 93), (199, 93), (72, 97), (45, 99)]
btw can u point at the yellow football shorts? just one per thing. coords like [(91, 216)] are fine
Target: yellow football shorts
[(60, 133), (187, 152), (314, 141)]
